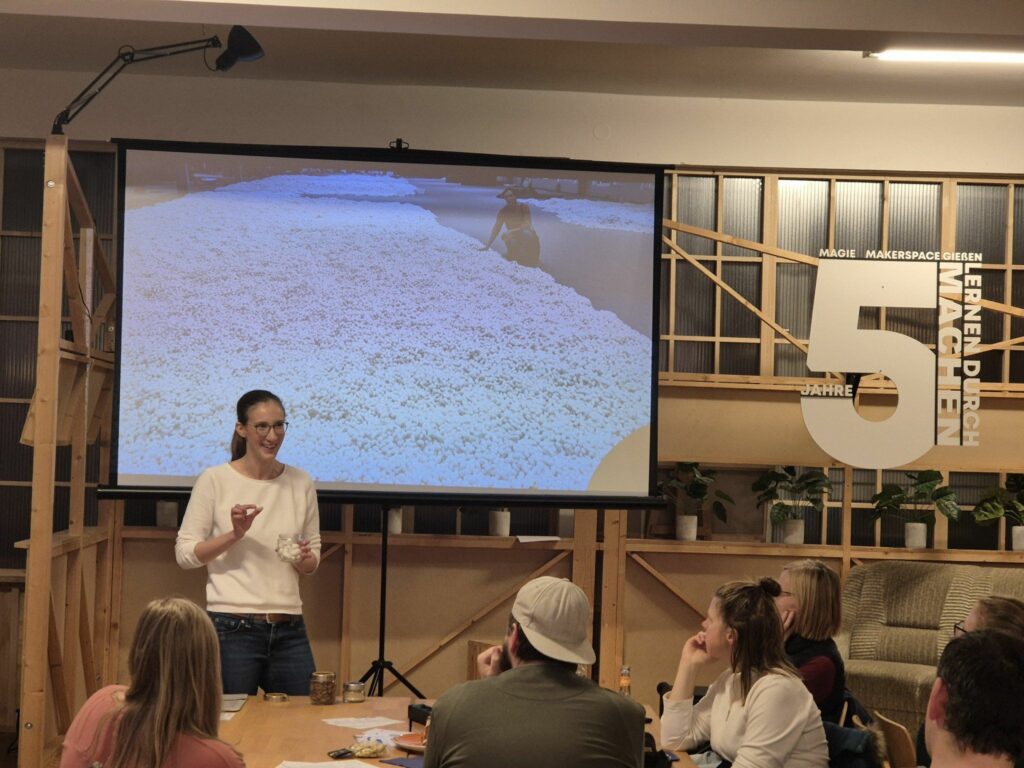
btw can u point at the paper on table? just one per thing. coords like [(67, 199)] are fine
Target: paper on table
[(385, 737), (361, 723), (331, 764), (528, 539), (227, 715)]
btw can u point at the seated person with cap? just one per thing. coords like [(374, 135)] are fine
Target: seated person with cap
[(531, 708), (973, 715)]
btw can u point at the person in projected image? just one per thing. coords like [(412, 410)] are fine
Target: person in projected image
[(235, 516), (521, 242), (994, 613)]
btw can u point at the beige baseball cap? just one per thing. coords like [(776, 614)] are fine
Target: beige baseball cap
[(554, 614)]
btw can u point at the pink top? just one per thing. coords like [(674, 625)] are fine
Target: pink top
[(83, 747)]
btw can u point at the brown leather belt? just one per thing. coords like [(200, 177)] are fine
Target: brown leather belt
[(269, 618)]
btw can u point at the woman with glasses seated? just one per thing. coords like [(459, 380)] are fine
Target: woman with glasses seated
[(994, 613), (809, 605), (232, 523), (758, 713)]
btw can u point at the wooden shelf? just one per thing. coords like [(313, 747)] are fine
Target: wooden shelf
[(937, 555), (65, 541), (734, 548)]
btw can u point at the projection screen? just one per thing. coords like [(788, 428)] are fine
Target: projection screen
[(412, 358)]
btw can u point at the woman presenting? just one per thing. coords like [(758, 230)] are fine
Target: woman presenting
[(234, 518)]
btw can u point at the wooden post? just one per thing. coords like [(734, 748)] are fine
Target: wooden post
[(44, 453), (613, 587)]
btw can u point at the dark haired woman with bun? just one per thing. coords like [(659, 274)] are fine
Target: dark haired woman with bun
[(237, 512), (758, 713)]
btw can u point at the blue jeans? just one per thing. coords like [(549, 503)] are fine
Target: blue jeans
[(275, 657)]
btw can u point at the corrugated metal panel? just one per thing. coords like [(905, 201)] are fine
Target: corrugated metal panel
[(695, 301), (991, 365), (803, 215), (920, 324), (663, 298), (862, 529), (868, 318), (737, 320), (834, 533), (971, 486), (859, 215), (15, 517), (19, 275), (1017, 367), (1017, 299), (18, 360), (1018, 225), (96, 173), (739, 359), (696, 207), (863, 484), (981, 220), (23, 190), (15, 458), (914, 216), (794, 296), (741, 211), (993, 289), (835, 476), (695, 357), (663, 356), (790, 361)]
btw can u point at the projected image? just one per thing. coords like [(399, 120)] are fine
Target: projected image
[(429, 328)]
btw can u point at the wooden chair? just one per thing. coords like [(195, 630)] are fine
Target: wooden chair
[(899, 746)]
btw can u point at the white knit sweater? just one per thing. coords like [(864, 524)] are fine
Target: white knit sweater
[(249, 577)]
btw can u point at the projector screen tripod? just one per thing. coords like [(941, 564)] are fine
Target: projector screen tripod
[(375, 674)]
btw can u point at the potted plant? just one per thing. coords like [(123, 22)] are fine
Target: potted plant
[(915, 504), (788, 495), (689, 488), (1008, 502)]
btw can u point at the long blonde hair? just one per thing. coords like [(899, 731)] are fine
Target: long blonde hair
[(816, 589), (175, 687)]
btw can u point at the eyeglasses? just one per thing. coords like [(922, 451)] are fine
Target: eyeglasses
[(958, 629), (263, 428)]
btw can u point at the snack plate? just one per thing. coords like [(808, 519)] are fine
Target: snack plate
[(411, 742)]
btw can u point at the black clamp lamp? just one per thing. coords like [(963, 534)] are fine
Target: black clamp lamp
[(242, 46)]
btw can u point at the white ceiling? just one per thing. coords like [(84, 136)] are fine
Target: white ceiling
[(755, 49)]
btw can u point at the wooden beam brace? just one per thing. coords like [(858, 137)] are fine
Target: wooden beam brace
[(484, 611), (61, 695), (752, 245), (736, 295), (92, 679), (660, 578), (73, 288)]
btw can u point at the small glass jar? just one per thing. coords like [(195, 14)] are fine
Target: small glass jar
[(288, 548), (323, 688), (354, 692)]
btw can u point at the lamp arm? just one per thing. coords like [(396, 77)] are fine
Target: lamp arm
[(126, 56)]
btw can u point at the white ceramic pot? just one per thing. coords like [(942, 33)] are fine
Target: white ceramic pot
[(915, 535), (1017, 538), (686, 527), (793, 531), (499, 522), (395, 520)]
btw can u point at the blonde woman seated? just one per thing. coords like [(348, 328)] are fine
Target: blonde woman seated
[(169, 714), (810, 608), (758, 713)]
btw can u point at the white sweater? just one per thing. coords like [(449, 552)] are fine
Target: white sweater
[(249, 577), (778, 725)]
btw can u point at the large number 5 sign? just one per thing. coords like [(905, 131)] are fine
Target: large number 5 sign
[(837, 344)]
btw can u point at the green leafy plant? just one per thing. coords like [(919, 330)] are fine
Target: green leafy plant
[(790, 494), (917, 501), (1005, 501), (690, 487)]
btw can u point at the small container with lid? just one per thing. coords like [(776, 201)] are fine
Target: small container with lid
[(354, 692), (323, 688)]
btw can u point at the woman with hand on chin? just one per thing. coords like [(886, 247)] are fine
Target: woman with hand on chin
[(234, 517), (810, 606), (757, 713)]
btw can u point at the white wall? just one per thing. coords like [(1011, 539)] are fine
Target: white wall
[(792, 134)]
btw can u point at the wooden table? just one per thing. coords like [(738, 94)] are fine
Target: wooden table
[(267, 733)]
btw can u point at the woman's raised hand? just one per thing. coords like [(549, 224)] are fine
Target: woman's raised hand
[(242, 516), (695, 651)]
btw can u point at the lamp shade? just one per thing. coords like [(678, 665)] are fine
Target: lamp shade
[(242, 46)]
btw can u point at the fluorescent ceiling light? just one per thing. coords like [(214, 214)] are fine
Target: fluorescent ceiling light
[(956, 57)]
